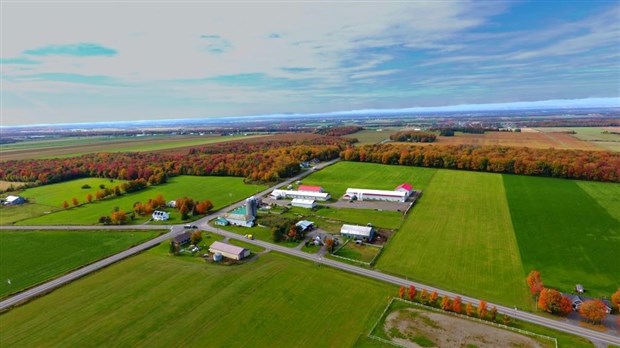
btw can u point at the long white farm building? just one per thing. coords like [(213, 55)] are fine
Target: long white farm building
[(318, 196), (399, 194)]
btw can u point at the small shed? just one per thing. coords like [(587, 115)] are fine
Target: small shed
[(230, 251), (365, 233), (305, 225), (14, 200), (304, 203), (580, 289), (222, 221)]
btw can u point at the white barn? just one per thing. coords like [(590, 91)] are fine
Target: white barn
[(318, 196), (14, 200), (230, 251), (303, 203), (376, 195), (366, 233)]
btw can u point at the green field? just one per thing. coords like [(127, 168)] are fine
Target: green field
[(337, 178), (31, 257), (157, 300), (371, 136), (357, 252), (222, 191), (569, 234), (460, 237)]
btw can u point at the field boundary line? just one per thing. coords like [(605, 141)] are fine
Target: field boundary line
[(458, 315)]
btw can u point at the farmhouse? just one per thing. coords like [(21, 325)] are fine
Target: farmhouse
[(576, 302), (244, 215), (304, 203), (305, 225), (365, 233), (14, 200), (182, 238), (319, 196), (229, 251), (310, 188), (399, 194), (159, 215)]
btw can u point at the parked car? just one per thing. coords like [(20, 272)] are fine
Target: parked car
[(190, 227)]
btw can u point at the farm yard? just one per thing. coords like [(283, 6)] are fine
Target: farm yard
[(192, 305), (31, 257), (481, 233), (69, 147), (222, 191)]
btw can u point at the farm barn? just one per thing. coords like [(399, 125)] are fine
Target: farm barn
[(365, 233), (159, 215), (14, 200), (400, 194), (303, 203), (319, 196), (229, 251)]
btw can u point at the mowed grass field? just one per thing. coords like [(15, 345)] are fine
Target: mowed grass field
[(570, 234), (222, 191), (31, 257), (459, 237), (337, 178), (371, 136), (157, 300)]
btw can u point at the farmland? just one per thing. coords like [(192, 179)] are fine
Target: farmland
[(342, 175), (519, 139), (222, 191), (31, 257), (609, 141), (277, 300), (584, 234), (371, 136), (68, 147), (460, 237)]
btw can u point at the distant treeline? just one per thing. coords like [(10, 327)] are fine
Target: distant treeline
[(339, 131), (413, 136), (258, 161), (572, 123), (573, 164)]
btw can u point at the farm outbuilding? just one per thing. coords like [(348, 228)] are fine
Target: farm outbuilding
[(319, 196), (365, 233), (399, 194), (305, 225), (229, 251), (303, 203), (182, 238), (222, 221), (14, 200), (241, 216)]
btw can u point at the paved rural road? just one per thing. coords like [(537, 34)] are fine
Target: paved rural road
[(203, 224)]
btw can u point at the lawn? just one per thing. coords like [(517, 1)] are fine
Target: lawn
[(31, 257), (337, 178), (12, 214), (565, 233), (157, 300), (460, 237), (359, 252), (54, 195), (257, 232), (222, 191)]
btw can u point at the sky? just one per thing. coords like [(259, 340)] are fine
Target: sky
[(117, 61)]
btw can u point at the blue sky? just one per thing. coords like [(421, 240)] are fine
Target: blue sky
[(80, 62)]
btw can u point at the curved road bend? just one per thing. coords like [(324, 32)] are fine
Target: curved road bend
[(174, 231)]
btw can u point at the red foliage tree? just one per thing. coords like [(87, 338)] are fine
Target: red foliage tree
[(65, 204), (565, 305), (412, 292), (433, 298), (593, 311)]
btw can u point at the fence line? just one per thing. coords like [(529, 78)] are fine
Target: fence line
[(458, 315)]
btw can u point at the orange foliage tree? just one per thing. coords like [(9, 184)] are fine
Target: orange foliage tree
[(89, 198), (74, 201), (534, 282), (593, 311), (65, 204), (550, 300), (445, 303), (456, 304), (482, 309), (433, 298), (118, 217), (615, 300), (469, 309), (401, 292)]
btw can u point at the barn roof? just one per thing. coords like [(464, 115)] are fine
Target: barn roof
[(227, 248), (405, 186), (310, 188), (357, 230)]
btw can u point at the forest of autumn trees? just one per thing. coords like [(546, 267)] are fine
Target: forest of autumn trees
[(574, 164), (339, 131), (261, 161), (413, 136)]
